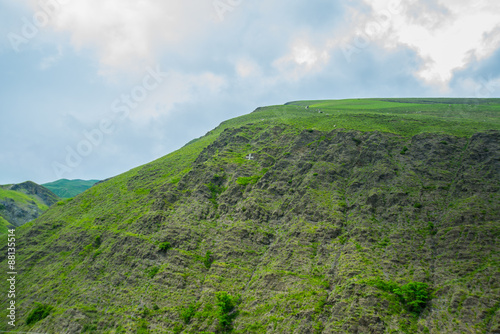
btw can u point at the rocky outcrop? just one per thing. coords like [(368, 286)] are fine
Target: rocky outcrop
[(46, 196), (20, 210)]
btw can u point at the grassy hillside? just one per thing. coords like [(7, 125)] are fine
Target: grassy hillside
[(351, 216), (20, 203), (4, 225), (21, 198), (69, 188)]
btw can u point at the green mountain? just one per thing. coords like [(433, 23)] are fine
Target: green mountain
[(21, 203), (69, 188), (350, 216)]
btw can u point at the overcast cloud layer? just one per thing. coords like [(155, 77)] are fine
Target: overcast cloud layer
[(92, 88)]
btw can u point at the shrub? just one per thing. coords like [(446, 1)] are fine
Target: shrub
[(97, 241), (142, 327), (418, 205), (225, 309), (432, 229), (215, 191), (207, 260), (178, 328), (153, 271), (414, 295), (188, 313), (41, 311), (403, 151), (164, 246)]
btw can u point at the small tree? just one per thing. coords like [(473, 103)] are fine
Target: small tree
[(225, 309), (414, 295)]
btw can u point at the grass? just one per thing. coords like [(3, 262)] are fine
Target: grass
[(111, 209), (21, 198), (407, 117), (248, 180)]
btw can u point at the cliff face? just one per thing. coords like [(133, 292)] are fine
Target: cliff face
[(23, 202), (274, 229)]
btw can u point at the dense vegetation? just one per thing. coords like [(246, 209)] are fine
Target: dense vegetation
[(352, 216)]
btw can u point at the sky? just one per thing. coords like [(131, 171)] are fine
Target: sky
[(92, 88)]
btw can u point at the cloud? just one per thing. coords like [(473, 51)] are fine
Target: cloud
[(444, 34), (480, 78), (128, 33), (259, 53)]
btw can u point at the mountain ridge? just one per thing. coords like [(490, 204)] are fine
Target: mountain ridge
[(291, 224), (65, 188)]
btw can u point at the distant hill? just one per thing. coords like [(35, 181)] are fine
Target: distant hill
[(21, 203), (69, 188)]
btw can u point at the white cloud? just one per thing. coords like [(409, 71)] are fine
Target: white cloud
[(302, 59), (128, 34), (178, 88), (246, 68), (445, 34)]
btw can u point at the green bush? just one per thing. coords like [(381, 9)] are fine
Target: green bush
[(164, 246), (432, 229), (97, 241), (207, 260), (188, 313), (153, 271), (403, 151), (41, 311), (225, 309), (178, 328), (414, 295), (142, 327), (215, 191)]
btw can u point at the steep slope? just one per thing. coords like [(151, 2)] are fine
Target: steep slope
[(307, 227), (21, 203), (69, 188)]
